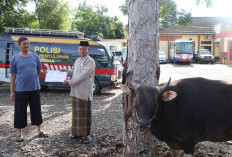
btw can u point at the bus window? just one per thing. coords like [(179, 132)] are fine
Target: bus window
[(184, 47)]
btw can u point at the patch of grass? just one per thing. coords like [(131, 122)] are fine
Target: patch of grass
[(70, 113), (68, 100)]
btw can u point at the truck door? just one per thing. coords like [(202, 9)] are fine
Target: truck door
[(9, 54)]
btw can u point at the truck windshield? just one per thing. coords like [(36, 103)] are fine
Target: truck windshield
[(109, 52), (118, 53), (204, 52), (184, 47), (162, 53)]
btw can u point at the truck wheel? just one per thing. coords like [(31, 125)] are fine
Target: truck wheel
[(96, 87)]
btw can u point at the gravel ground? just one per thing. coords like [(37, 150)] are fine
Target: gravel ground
[(107, 120), (56, 107)]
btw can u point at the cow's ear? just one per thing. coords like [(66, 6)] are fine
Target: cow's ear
[(126, 89), (169, 95)]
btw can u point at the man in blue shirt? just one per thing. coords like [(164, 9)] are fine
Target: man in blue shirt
[(25, 88)]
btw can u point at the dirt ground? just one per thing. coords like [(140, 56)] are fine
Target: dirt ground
[(56, 108), (107, 124)]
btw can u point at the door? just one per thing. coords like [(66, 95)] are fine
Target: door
[(230, 50), (9, 54)]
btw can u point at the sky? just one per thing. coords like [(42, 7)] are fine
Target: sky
[(219, 8)]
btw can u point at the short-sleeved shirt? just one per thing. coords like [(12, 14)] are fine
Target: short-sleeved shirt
[(26, 70)]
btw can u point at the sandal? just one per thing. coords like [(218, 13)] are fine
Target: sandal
[(43, 134), (74, 137), (87, 140), (20, 138)]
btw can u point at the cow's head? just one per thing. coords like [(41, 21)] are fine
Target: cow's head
[(147, 98)]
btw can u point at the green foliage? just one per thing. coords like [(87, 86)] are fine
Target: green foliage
[(168, 13), (124, 9), (184, 18), (12, 13), (49, 14), (207, 3), (19, 18), (53, 14), (96, 23), (8, 5)]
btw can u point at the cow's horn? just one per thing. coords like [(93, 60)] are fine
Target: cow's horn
[(168, 82), (135, 85), (162, 88)]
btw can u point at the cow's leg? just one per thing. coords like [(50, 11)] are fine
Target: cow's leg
[(188, 145), (188, 155), (178, 153)]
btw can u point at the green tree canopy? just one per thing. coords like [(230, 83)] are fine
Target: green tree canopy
[(49, 14), (207, 3), (96, 23), (53, 14), (20, 18), (13, 14), (124, 9), (169, 14)]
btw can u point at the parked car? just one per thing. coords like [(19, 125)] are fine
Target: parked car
[(120, 56), (124, 52), (162, 57), (117, 55), (203, 56), (119, 67)]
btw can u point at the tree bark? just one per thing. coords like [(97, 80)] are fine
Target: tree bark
[(142, 68)]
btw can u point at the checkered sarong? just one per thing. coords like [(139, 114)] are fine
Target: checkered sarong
[(81, 117)]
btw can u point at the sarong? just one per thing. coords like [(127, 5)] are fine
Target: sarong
[(81, 117)]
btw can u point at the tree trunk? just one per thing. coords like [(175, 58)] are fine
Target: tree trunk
[(142, 68)]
